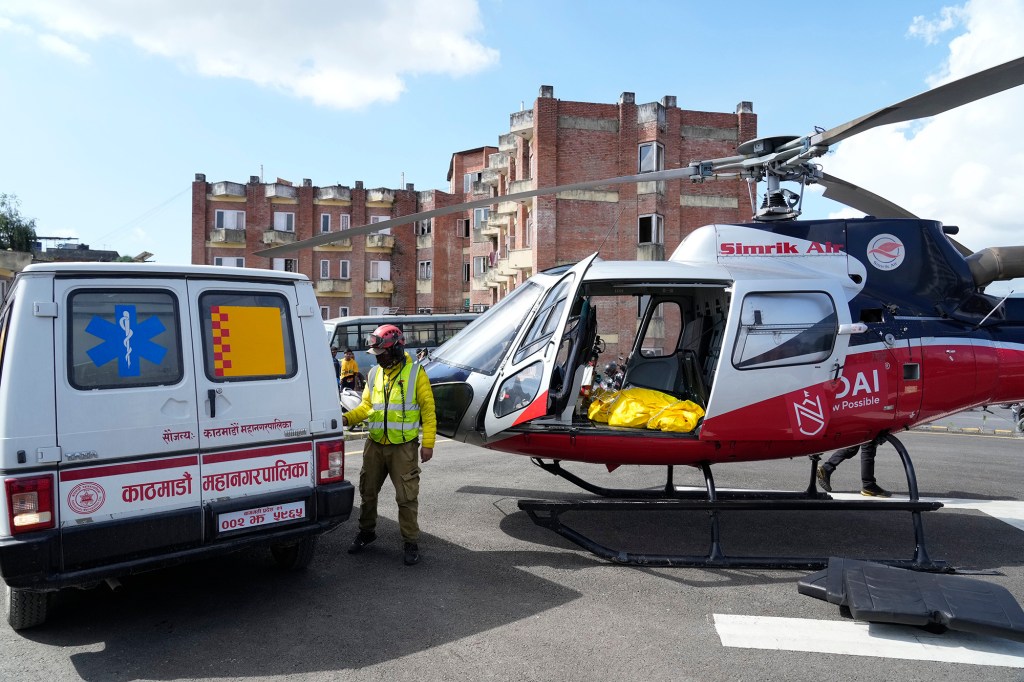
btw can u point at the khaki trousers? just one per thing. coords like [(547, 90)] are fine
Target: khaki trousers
[(400, 462)]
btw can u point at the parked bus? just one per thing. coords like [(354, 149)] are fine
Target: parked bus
[(421, 331)]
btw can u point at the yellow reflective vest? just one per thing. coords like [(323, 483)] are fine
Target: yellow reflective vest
[(395, 415)]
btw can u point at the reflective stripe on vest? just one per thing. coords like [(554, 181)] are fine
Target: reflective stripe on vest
[(395, 415)]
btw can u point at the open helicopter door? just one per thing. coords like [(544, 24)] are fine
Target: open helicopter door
[(783, 349), (538, 376)]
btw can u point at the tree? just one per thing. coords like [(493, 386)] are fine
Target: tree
[(16, 232)]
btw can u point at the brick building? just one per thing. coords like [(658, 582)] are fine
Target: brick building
[(472, 259)]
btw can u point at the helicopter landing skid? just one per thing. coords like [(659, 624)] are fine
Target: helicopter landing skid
[(546, 513)]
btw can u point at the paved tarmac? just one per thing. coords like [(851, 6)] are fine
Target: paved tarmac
[(499, 598)]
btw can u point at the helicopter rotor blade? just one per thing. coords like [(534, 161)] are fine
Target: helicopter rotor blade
[(330, 237), (861, 199), (943, 98)]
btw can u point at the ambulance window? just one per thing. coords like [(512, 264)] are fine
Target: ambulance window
[(123, 338), (246, 336), (5, 323), (780, 329)]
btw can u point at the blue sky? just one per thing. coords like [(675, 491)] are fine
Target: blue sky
[(111, 107)]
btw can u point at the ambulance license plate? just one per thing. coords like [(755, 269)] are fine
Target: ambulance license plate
[(261, 516)]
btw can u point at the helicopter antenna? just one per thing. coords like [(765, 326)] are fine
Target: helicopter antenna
[(996, 307), (611, 230)]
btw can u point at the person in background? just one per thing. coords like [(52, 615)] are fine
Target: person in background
[(397, 400), (869, 487), (349, 370), (337, 365)]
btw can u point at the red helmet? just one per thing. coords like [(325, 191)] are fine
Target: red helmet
[(384, 337)]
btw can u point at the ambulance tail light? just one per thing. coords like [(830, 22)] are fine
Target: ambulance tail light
[(330, 461), (29, 503)]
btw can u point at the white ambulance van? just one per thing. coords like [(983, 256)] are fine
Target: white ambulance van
[(151, 415)]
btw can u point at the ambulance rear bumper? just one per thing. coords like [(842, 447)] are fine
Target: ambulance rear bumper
[(45, 561)]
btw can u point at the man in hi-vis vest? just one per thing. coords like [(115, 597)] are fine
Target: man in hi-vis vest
[(397, 401)]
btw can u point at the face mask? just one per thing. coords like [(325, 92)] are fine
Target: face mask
[(387, 358)]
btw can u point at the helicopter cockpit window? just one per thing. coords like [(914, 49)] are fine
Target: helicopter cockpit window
[(546, 320), (518, 390), (780, 329), (482, 345)]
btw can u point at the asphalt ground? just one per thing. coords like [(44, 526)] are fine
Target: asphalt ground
[(498, 598)]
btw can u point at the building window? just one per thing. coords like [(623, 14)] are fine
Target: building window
[(343, 311), (325, 269), (377, 311), (285, 222), (229, 220), (286, 264), (424, 227), (480, 216), (480, 265), (466, 272), (651, 157), (650, 229), (325, 312), (229, 261), (462, 227), (374, 219), (424, 270), (380, 269), (343, 269), (325, 222), (345, 221), (468, 179)]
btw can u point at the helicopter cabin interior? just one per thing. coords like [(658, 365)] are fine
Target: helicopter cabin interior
[(664, 337)]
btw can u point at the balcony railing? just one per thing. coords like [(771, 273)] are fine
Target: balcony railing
[(380, 286), (424, 241), (334, 286), (227, 189), (380, 241), (380, 195), (424, 286), (273, 237), (224, 236), (650, 252), (521, 259), (521, 123), (276, 190), (334, 193)]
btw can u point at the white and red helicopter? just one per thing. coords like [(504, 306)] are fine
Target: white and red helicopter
[(795, 336)]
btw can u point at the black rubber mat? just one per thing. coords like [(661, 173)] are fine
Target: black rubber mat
[(885, 594)]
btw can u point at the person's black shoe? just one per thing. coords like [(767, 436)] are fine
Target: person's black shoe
[(875, 490), (364, 538), (412, 554), (824, 476)]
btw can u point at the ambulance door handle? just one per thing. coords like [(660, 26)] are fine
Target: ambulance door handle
[(212, 396)]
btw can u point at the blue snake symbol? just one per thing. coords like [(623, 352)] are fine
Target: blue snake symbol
[(125, 324)]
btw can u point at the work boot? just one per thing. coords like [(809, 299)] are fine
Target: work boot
[(412, 554), (875, 490), (824, 476), (364, 538)]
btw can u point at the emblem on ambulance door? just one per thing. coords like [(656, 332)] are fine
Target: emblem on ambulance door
[(86, 498)]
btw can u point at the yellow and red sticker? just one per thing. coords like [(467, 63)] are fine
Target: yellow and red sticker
[(247, 341)]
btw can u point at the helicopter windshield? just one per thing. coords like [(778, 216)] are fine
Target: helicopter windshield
[(482, 345)]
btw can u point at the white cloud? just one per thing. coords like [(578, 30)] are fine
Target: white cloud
[(342, 55), (962, 167), (931, 28), (63, 48)]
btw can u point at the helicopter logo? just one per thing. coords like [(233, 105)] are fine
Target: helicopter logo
[(886, 252)]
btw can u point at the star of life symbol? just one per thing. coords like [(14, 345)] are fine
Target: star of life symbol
[(128, 340), (810, 417)]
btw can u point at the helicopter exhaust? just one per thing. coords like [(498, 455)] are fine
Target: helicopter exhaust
[(996, 264)]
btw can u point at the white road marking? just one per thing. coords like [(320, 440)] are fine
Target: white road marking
[(855, 638), (1007, 511)]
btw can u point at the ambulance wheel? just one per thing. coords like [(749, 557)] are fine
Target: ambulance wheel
[(296, 556), (25, 609)]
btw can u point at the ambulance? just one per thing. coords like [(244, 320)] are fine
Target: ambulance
[(152, 415)]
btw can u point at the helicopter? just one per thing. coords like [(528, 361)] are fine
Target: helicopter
[(790, 337)]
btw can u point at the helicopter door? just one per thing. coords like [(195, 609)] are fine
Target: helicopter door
[(780, 354), (536, 378)]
